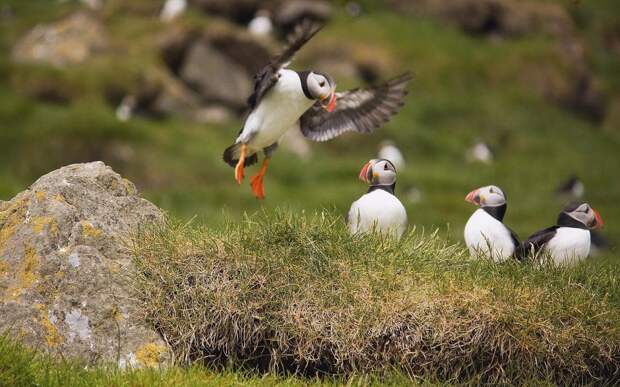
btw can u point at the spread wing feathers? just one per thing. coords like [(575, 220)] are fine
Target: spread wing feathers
[(268, 75), (538, 240), (359, 110)]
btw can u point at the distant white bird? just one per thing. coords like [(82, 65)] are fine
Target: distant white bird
[(389, 151), (125, 110), (172, 9), (379, 209), (573, 188), (261, 25), (93, 4), (480, 152)]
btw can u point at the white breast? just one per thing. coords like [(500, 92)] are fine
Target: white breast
[(279, 109), (569, 245), (488, 237), (378, 210)]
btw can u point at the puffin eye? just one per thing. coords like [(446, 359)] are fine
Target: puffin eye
[(386, 167), (491, 190), (322, 83)]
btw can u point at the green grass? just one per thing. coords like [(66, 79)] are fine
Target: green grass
[(465, 88), (291, 293)]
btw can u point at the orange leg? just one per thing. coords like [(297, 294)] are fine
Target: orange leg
[(257, 180), (240, 164)]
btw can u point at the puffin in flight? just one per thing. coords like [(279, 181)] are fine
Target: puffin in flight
[(379, 209), (284, 98), (569, 240), (485, 233)]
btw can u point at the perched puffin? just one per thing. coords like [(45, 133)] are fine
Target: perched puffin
[(389, 151), (485, 233), (285, 98), (379, 208), (569, 240), (480, 152)]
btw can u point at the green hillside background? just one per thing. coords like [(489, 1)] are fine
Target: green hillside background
[(467, 87)]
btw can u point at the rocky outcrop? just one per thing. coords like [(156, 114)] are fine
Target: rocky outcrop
[(65, 277), (68, 41)]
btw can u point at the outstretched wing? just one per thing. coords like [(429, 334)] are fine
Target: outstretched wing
[(268, 75), (358, 110), (538, 240)]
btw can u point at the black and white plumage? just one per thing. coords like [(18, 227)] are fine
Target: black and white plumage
[(379, 209), (284, 98), (485, 233), (359, 110), (568, 241)]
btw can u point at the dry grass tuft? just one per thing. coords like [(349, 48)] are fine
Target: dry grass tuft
[(297, 294)]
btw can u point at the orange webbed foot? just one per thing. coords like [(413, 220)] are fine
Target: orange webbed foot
[(257, 181), (239, 175)]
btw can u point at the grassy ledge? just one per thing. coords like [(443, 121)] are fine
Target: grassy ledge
[(295, 294)]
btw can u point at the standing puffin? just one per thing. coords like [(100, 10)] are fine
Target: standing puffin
[(569, 240), (485, 233), (285, 98), (379, 208)]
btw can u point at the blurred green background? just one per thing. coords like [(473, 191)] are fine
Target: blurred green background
[(538, 81)]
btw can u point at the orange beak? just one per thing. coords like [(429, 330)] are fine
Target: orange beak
[(364, 172), (599, 221), (473, 197), (331, 104)]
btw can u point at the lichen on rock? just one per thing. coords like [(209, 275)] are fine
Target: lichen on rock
[(64, 273)]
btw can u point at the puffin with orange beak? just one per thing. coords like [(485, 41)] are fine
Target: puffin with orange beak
[(485, 233), (284, 99), (379, 209), (568, 241)]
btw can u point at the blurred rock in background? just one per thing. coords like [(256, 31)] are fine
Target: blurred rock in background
[(69, 41)]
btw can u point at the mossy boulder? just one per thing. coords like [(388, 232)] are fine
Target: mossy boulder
[(64, 271)]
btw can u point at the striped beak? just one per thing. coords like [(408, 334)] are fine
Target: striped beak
[(473, 197), (331, 102), (598, 221), (366, 172)]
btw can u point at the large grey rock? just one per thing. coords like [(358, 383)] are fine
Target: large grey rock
[(71, 40), (64, 273)]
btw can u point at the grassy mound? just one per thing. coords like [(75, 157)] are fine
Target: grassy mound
[(296, 293)]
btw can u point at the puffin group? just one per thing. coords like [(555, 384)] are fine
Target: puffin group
[(567, 242), (284, 99)]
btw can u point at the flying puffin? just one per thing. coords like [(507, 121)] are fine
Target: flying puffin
[(569, 240), (485, 233), (285, 98), (379, 208)]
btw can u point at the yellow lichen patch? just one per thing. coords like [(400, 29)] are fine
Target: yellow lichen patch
[(151, 354), (52, 337), (26, 274), (59, 198), (4, 268), (10, 219), (39, 224), (131, 189), (90, 231), (40, 195)]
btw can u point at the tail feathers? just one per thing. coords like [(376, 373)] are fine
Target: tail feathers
[(231, 156)]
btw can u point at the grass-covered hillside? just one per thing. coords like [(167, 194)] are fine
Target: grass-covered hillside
[(467, 87), (288, 291)]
